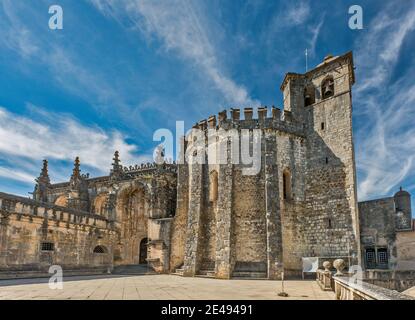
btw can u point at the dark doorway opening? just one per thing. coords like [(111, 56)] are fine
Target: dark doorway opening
[(143, 251)]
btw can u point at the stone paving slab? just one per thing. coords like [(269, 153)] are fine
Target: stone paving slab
[(160, 287)]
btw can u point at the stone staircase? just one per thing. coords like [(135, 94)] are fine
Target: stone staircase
[(206, 273), (250, 270), (133, 269), (207, 269), (203, 273), (179, 272), (249, 275)]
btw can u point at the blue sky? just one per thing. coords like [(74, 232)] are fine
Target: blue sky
[(121, 69)]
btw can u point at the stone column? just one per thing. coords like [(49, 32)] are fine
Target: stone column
[(272, 205), (193, 220), (223, 223)]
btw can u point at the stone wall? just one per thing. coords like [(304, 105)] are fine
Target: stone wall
[(323, 222), (254, 224), (249, 231), (331, 202), (301, 203), (291, 156), (405, 243), (179, 224), (159, 248), (119, 205), (379, 229), (26, 224), (377, 225), (391, 279)]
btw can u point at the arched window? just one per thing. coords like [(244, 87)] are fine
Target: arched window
[(213, 186), (100, 249), (286, 184), (99, 204), (309, 95), (327, 87)]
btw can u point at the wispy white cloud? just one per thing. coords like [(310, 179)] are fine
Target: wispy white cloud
[(379, 50), (64, 65), (290, 15), (180, 26), (56, 136), (15, 34), (17, 175), (386, 140), (297, 12), (315, 32)]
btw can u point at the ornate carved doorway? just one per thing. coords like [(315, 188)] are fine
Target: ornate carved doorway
[(143, 251)]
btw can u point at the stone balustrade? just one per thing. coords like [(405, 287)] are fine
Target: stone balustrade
[(346, 288), (325, 280)]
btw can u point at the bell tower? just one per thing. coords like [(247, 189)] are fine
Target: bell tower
[(321, 99)]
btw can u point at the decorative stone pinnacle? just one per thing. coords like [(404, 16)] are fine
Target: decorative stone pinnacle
[(44, 174), (76, 169), (116, 159), (116, 165)]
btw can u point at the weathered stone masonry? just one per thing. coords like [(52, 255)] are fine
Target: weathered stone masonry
[(212, 218), (257, 224)]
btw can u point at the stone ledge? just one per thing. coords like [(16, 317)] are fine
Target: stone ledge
[(364, 291)]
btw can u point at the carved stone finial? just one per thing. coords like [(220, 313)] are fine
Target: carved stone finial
[(327, 266), (339, 264)]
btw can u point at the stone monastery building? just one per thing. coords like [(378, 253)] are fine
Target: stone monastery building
[(213, 220)]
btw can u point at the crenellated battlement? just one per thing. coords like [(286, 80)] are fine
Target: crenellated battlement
[(132, 170), (151, 166), (277, 119), (20, 206)]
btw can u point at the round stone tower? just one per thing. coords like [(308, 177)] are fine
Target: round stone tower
[(403, 209)]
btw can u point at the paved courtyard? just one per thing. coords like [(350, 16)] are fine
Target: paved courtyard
[(155, 287)]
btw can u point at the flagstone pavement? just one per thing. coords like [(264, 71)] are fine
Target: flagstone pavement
[(163, 287)]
